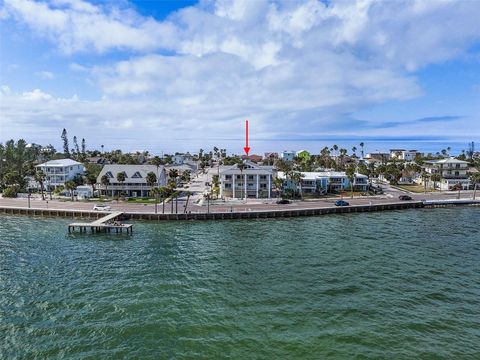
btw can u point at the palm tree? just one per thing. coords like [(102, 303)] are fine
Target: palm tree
[(155, 192), (105, 180), (475, 179), (354, 149), (425, 178), (40, 178), (173, 174), (151, 180), (92, 181), (350, 172), (278, 185), (157, 162), (121, 177), (435, 178), (163, 191), (242, 167), (297, 177), (71, 186), (361, 146)]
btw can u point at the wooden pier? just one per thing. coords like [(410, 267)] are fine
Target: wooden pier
[(105, 224)]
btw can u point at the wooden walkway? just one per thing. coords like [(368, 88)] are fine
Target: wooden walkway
[(105, 224)]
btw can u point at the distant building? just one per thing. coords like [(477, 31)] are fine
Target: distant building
[(255, 158), (180, 158), (271, 155), (378, 156), (135, 184), (401, 154), (255, 180), (326, 181), (60, 171), (287, 155), (452, 172)]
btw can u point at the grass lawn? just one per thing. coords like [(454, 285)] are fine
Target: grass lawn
[(141, 200), (414, 188)]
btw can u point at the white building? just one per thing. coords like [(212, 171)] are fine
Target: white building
[(452, 172), (325, 181), (60, 171), (402, 154), (84, 191), (135, 184), (287, 155), (255, 181)]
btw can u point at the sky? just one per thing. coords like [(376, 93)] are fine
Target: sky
[(169, 76)]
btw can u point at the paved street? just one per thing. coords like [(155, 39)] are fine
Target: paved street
[(390, 196)]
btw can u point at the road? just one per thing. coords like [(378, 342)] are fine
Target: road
[(391, 195)]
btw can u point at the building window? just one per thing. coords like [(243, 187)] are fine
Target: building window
[(228, 177), (228, 186), (457, 173), (109, 174), (250, 177), (137, 175), (239, 177), (263, 177), (263, 186)]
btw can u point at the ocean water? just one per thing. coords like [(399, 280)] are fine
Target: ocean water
[(395, 285)]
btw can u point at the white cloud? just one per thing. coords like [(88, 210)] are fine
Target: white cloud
[(47, 75), (292, 66)]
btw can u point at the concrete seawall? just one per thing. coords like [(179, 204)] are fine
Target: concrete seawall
[(281, 213)]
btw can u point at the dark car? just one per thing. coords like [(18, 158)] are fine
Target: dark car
[(283, 201), (341, 203), (405, 197)]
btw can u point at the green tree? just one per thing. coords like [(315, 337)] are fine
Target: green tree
[(66, 150), (70, 185), (40, 177), (475, 179), (105, 180), (121, 177), (92, 181), (151, 179), (435, 178), (350, 172)]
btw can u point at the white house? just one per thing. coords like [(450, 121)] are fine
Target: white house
[(402, 154), (255, 181), (84, 191), (135, 184), (325, 181), (452, 172), (60, 171)]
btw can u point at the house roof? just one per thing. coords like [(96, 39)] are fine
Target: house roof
[(134, 173), (450, 160), (322, 174), (251, 168), (60, 162)]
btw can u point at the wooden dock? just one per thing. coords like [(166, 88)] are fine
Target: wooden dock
[(105, 224)]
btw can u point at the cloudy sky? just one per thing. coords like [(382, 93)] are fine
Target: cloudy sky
[(179, 75)]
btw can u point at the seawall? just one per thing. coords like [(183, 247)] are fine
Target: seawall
[(280, 213)]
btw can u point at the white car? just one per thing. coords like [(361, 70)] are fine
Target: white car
[(101, 207)]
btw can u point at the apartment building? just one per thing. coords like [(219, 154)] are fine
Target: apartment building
[(452, 172), (254, 181), (325, 181)]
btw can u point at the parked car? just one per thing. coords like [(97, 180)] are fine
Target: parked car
[(405, 198), (283, 201), (341, 203), (101, 207)]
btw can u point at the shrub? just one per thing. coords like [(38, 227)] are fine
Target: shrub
[(10, 192)]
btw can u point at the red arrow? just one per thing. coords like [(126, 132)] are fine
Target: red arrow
[(246, 148)]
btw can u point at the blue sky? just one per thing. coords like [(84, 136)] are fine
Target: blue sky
[(180, 75)]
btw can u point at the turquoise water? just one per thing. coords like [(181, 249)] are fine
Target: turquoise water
[(402, 284)]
